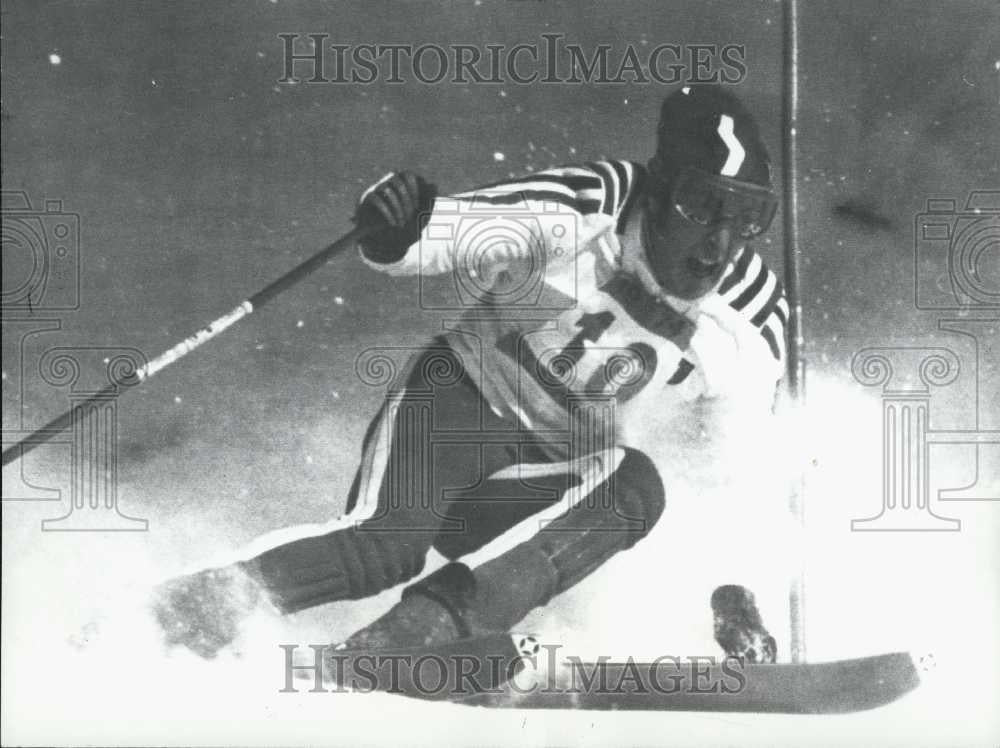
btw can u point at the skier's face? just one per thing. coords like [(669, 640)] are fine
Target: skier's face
[(691, 235), (687, 259)]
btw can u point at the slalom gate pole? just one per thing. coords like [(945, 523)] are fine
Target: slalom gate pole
[(177, 352), (796, 338)]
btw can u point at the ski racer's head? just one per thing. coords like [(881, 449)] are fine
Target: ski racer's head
[(709, 190)]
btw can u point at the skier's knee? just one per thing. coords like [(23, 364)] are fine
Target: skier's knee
[(639, 498)]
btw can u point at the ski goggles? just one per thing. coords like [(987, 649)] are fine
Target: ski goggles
[(708, 199)]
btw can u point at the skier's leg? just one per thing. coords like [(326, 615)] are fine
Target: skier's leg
[(381, 541), (458, 601)]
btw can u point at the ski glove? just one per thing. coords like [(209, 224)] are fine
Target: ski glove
[(398, 206)]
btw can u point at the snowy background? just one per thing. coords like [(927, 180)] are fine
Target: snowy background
[(198, 179)]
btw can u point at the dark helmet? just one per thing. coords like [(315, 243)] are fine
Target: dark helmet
[(711, 161), (706, 127)]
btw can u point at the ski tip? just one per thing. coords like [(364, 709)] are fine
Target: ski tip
[(856, 685)]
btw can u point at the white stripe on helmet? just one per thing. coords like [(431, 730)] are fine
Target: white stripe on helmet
[(736, 152)]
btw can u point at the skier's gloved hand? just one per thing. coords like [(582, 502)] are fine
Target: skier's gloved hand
[(734, 360), (398, 206)]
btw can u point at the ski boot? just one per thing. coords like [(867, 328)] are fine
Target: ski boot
[(738, 626)]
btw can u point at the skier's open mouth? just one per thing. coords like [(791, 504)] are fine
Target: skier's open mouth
[(701, 269)]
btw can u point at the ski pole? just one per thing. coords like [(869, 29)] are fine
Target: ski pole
[(177, 352)]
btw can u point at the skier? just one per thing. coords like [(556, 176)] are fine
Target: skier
[(653, 299)]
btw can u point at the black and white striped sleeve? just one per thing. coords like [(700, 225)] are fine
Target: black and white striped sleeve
[(586, 200), (753, 290), (622, 182), (576, 187), (607, 188), (593, 198)]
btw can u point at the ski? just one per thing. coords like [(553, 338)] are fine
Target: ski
[(517, 672), (838, 687)]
